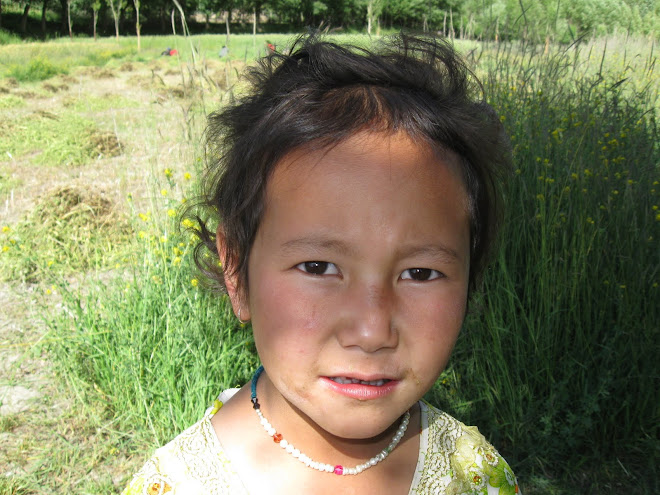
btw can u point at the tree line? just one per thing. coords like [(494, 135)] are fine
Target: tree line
[(538, 20)]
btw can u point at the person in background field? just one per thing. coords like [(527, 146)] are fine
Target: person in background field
[(354, 199), (170, 52)]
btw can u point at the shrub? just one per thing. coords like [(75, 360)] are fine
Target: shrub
[(37, 69)]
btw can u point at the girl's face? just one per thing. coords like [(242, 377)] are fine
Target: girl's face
[(358, 281)]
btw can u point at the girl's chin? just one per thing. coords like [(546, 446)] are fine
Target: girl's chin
[(359, 433)]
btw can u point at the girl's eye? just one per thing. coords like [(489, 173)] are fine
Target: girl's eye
[(420, 274), (318, 268)]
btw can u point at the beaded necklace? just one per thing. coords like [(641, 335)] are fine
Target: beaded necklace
[(320, 466)]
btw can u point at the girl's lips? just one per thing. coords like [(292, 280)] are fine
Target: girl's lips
[(375, 389)]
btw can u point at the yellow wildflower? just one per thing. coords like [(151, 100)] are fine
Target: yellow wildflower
[(171, 212), (168, 173), (5, 228), (187, 176), (194, 282), (163, 192)]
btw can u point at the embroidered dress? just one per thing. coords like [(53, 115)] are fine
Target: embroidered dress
[(454, 459)]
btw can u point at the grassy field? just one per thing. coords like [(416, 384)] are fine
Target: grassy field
[(109, 346)]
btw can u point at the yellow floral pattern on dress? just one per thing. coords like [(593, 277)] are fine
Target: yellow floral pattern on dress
[(454, 459), (458, 460)]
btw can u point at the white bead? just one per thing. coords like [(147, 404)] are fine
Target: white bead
[(264, 421), (373, 462), (283, 443), (289, 448), (295, 453), (272, 431), (329, 468)]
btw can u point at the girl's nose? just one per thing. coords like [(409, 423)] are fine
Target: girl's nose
[(368, 319)]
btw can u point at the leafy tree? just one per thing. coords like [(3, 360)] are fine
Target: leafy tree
[(116, 6), (136, 4), (24, 17)]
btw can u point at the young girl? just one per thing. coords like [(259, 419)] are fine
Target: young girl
[(356, 195)]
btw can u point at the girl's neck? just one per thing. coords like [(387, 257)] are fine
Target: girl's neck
[(265, 468)]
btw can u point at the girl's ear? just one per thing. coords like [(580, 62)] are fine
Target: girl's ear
[(234, 290)]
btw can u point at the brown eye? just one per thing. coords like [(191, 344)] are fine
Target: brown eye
[(420, 274), (318, 268)]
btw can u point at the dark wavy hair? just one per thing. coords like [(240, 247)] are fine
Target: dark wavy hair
[(320, 94)]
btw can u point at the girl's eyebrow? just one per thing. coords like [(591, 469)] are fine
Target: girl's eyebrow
[(323, 243), (440, 251), (316, 243)]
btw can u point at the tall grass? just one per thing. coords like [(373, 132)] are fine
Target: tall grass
[(557, 364)]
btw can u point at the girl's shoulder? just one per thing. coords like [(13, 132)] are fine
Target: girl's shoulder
[(457, 459), (193, 463)]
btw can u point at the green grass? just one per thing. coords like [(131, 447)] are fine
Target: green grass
[(11, 101), (569, 316), (37, 69), (557, 361), (70, 231), (7, 38), (50, 139)]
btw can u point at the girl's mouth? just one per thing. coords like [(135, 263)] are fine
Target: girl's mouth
[(360, 389), (342, 380)]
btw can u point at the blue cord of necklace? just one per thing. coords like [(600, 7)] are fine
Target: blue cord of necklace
[(253, 387)]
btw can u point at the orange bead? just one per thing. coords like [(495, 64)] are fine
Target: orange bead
[(277, 438)]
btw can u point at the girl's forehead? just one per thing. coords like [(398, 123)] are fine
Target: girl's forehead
[(366, 175), (396, 155)]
